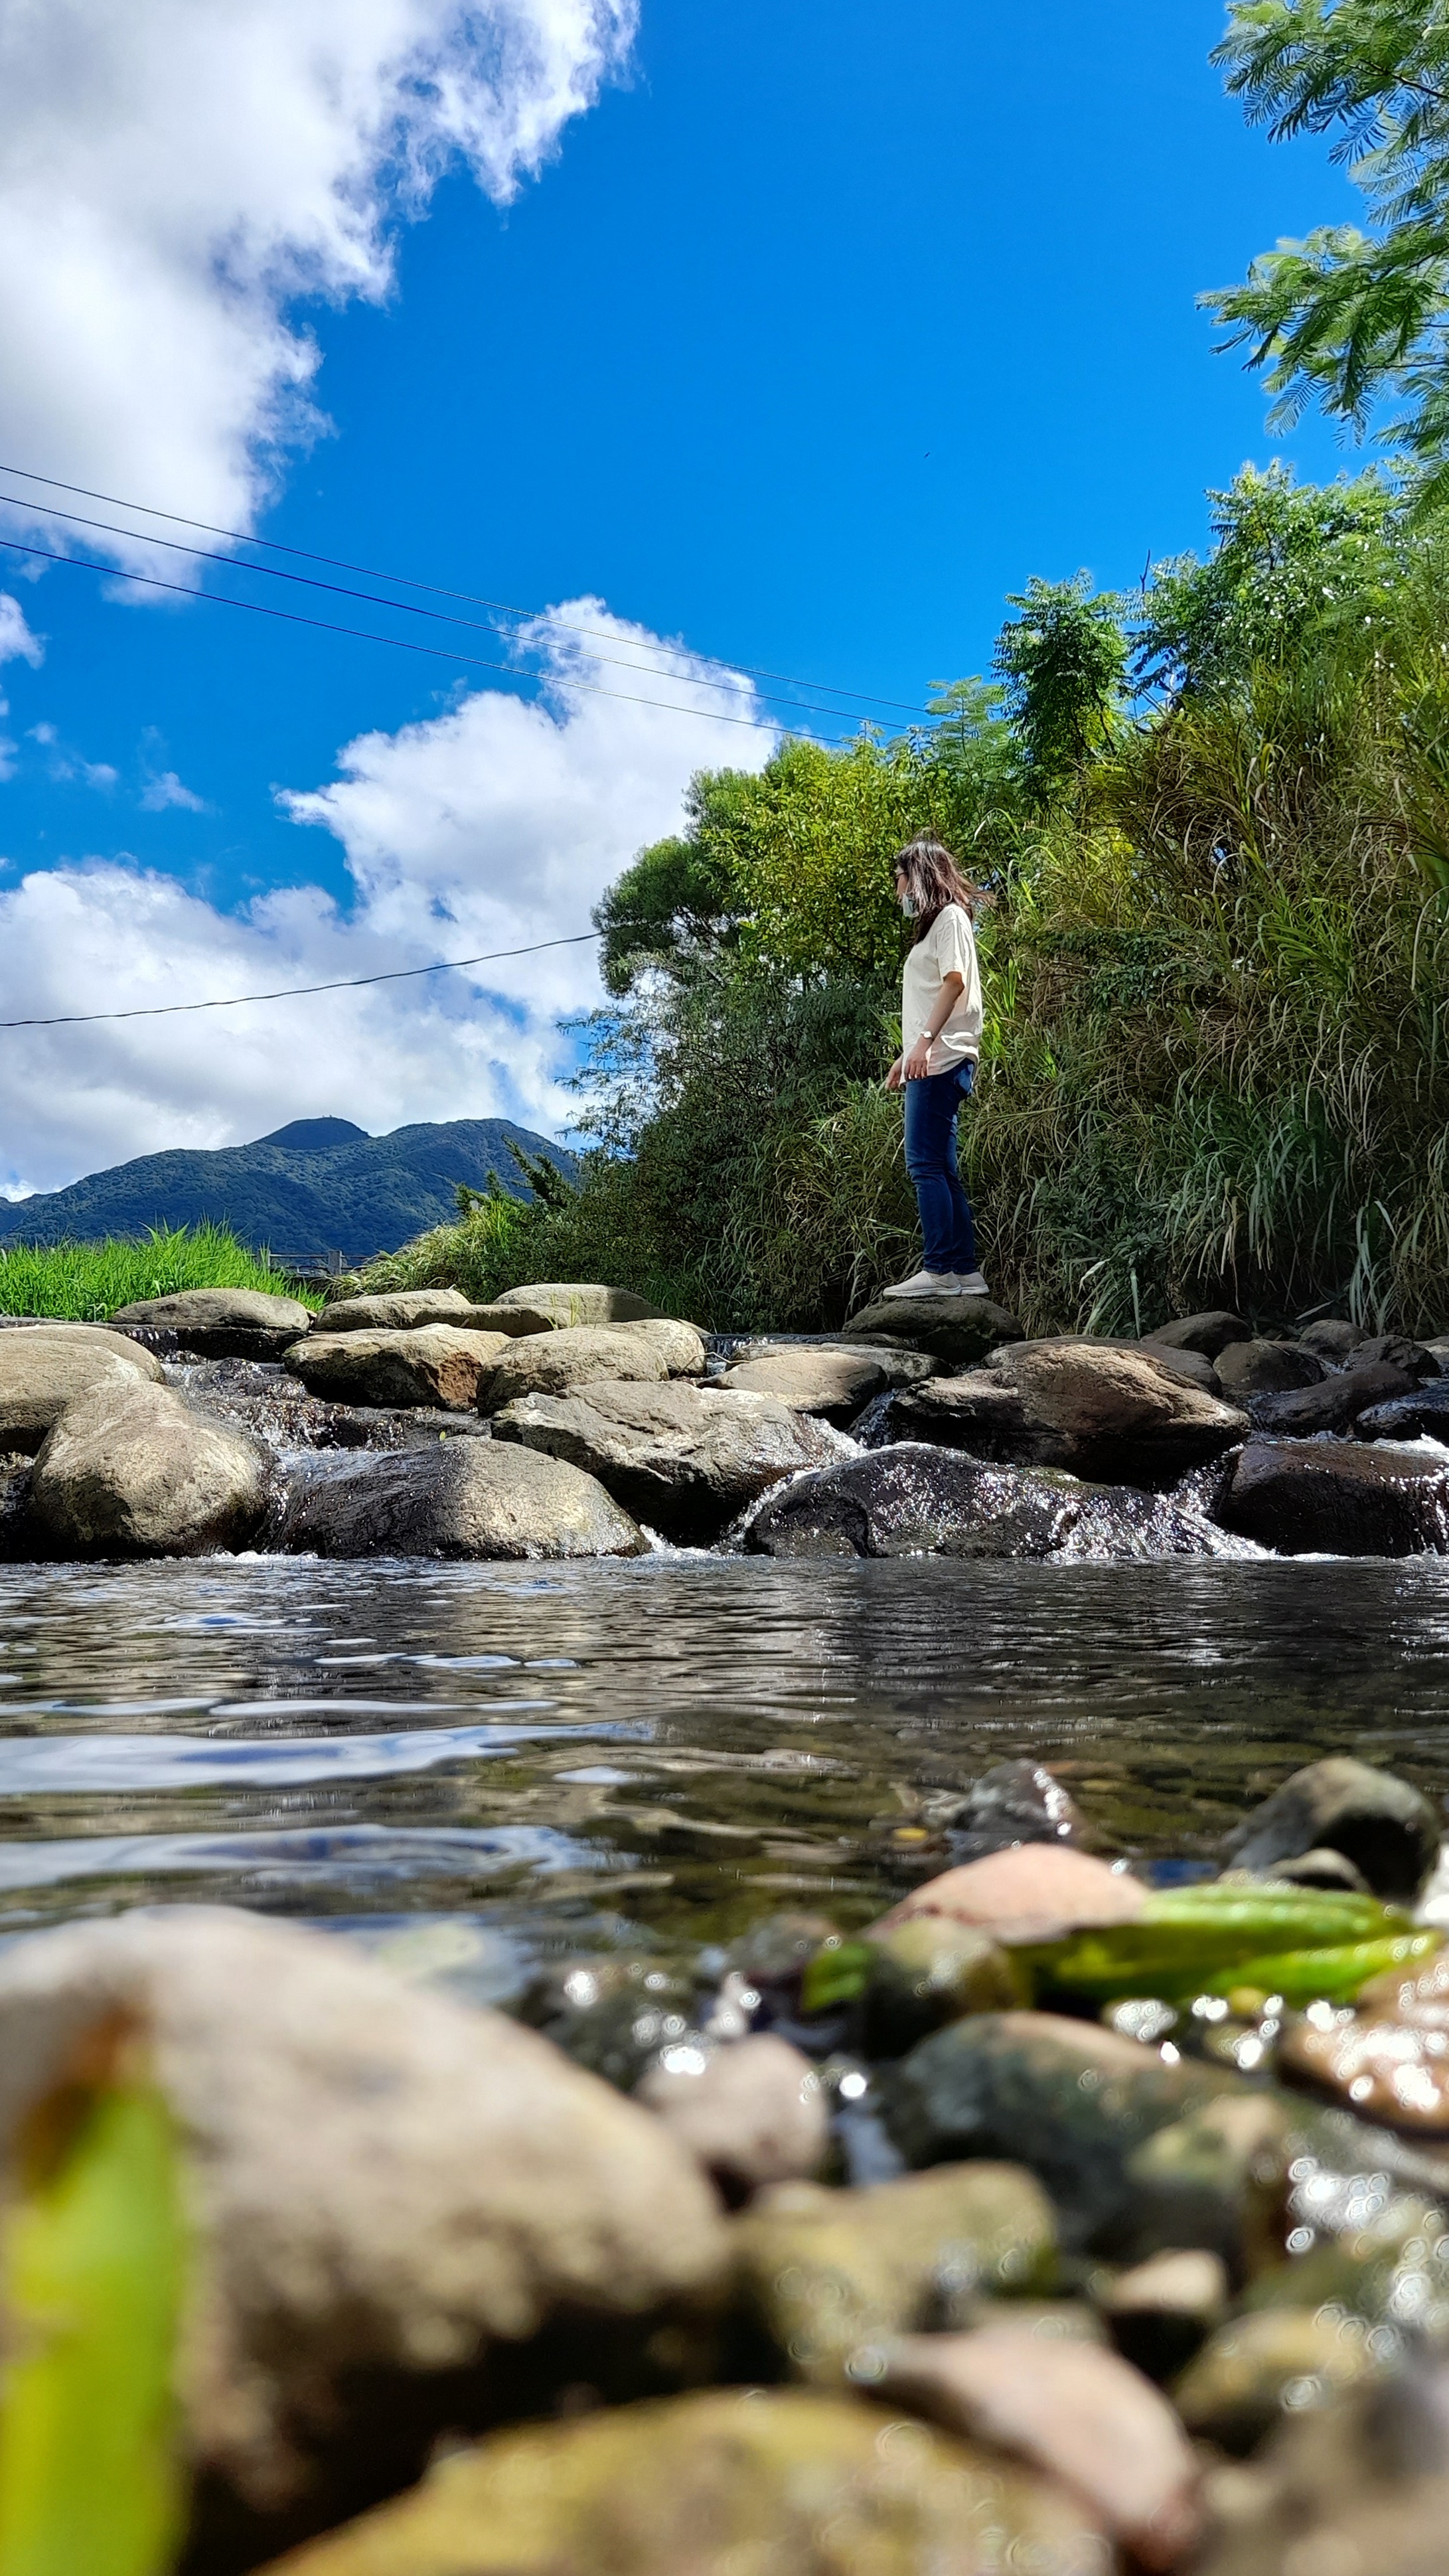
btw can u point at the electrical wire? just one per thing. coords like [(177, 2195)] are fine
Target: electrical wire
[(293, 992), (406, 608), (405, 581), (366, 635)]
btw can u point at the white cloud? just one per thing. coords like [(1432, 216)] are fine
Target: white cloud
[(166, 790), (494, 825), (173, 177), (17, 644)]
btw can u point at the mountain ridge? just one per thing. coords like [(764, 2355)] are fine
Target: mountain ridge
[(347, 1191)]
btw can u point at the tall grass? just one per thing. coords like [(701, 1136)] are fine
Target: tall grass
[(85, 1282)]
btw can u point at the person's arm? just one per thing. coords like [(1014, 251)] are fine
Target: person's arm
[(915, 1066)]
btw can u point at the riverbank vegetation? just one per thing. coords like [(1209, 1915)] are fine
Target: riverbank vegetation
[(85, 1282), (1213, 824)]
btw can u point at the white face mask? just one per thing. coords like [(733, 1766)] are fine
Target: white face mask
[(908, 906)]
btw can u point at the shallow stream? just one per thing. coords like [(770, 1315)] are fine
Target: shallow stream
[(475, 1765)]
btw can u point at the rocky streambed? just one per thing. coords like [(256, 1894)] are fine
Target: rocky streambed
[(813, 1956)]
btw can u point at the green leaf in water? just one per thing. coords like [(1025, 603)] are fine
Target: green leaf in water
[(92, 2268), (1207, 1940), (836, 1975)]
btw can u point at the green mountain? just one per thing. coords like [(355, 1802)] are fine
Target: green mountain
[(319, 1186)]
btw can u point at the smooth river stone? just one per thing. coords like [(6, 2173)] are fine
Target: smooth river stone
[(44, 1368), (1393, 2072), (425, 1364), (752, 2111), (1031, 1892)]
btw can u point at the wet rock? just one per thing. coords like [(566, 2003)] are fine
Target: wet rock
[(1105, 1411), (612, 2014), (220, 1323), (402, 1310), (1386, 2266), (1267, 1368), (1258, 2368), (1337, 1498), (130, 1470), (897, 1365), (565, 1304), (834, 1384), (1217, 2180), (1014, 1802), (575, 1356), (423, 1364), (1068, 2098), (44, 1370), (1406, 1417), (1394, 2072), (1189, 1365), (1385, 1826), (464, 1498), (1162, 2311), (825, 2272), (758, 2482), (1333, 1339), (1028, 1893), (395, 2198), (1392, 1350), (961, 1330), (928, 1971), (1333, 1405), (1419, 1995), (1084, 2415), (911, 1499), (772, 1956), (1356, 2487), (685, 1459), (1209, 1333), (753, 2111)]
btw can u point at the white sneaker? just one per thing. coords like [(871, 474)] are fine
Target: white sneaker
[(927, 1283), (969, 1283)]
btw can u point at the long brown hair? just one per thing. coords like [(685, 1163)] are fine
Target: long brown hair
[(934, 879)]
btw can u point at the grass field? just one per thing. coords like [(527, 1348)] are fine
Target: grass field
[(85, 1282)]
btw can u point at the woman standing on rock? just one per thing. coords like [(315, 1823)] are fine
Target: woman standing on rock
[(940, 1042)]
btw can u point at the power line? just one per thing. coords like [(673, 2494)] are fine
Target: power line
[(406, 608), (293, 992), (404, 581), (366, 635)]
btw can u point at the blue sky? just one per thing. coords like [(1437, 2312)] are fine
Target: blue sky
[(822, 328)]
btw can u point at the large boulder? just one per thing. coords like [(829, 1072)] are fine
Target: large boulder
[(1267, 1368), (1333, 1405), (474, 1498), (395, 2200), (1338, 1498), (1408, 1417), (1118, 1414), (45, 1367), (915, 1499), (684, 1458), (960, 1330), (813, 1378), (558, 1362), (131, 1470), (429, 1364), (571, 1301), (1209, 1333), (728, 2482), (401, 1310), (220, 1323)]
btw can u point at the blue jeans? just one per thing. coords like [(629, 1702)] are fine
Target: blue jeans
[(946, 1227)]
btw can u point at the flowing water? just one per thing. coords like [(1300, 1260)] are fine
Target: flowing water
[(474, 1766)]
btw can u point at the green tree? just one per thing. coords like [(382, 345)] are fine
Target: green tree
[(1345, 316), (1063, 665)]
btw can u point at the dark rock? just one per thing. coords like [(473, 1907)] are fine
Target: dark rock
[(1405, 1417), (684, 1458), (1068, 2098), (929, 1971), (916, 1498), (611, 2015), (1218, 2180), (1014, 1802), (1162, 2311), (1107, 1411), (1390, 1350), (1333, 1405), (1384, 1825), (1209, 1333), (1267, 1368), (1337, 1498), (959, 1329), (463, 1498), (1332, 1339), (1189, 1365)]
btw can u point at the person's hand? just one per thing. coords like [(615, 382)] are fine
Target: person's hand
[(916, 1066), (895, 1077)]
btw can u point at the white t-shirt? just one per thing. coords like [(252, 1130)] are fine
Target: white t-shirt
[(949, 948)]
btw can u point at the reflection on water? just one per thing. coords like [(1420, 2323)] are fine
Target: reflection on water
[(494, 1758)]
